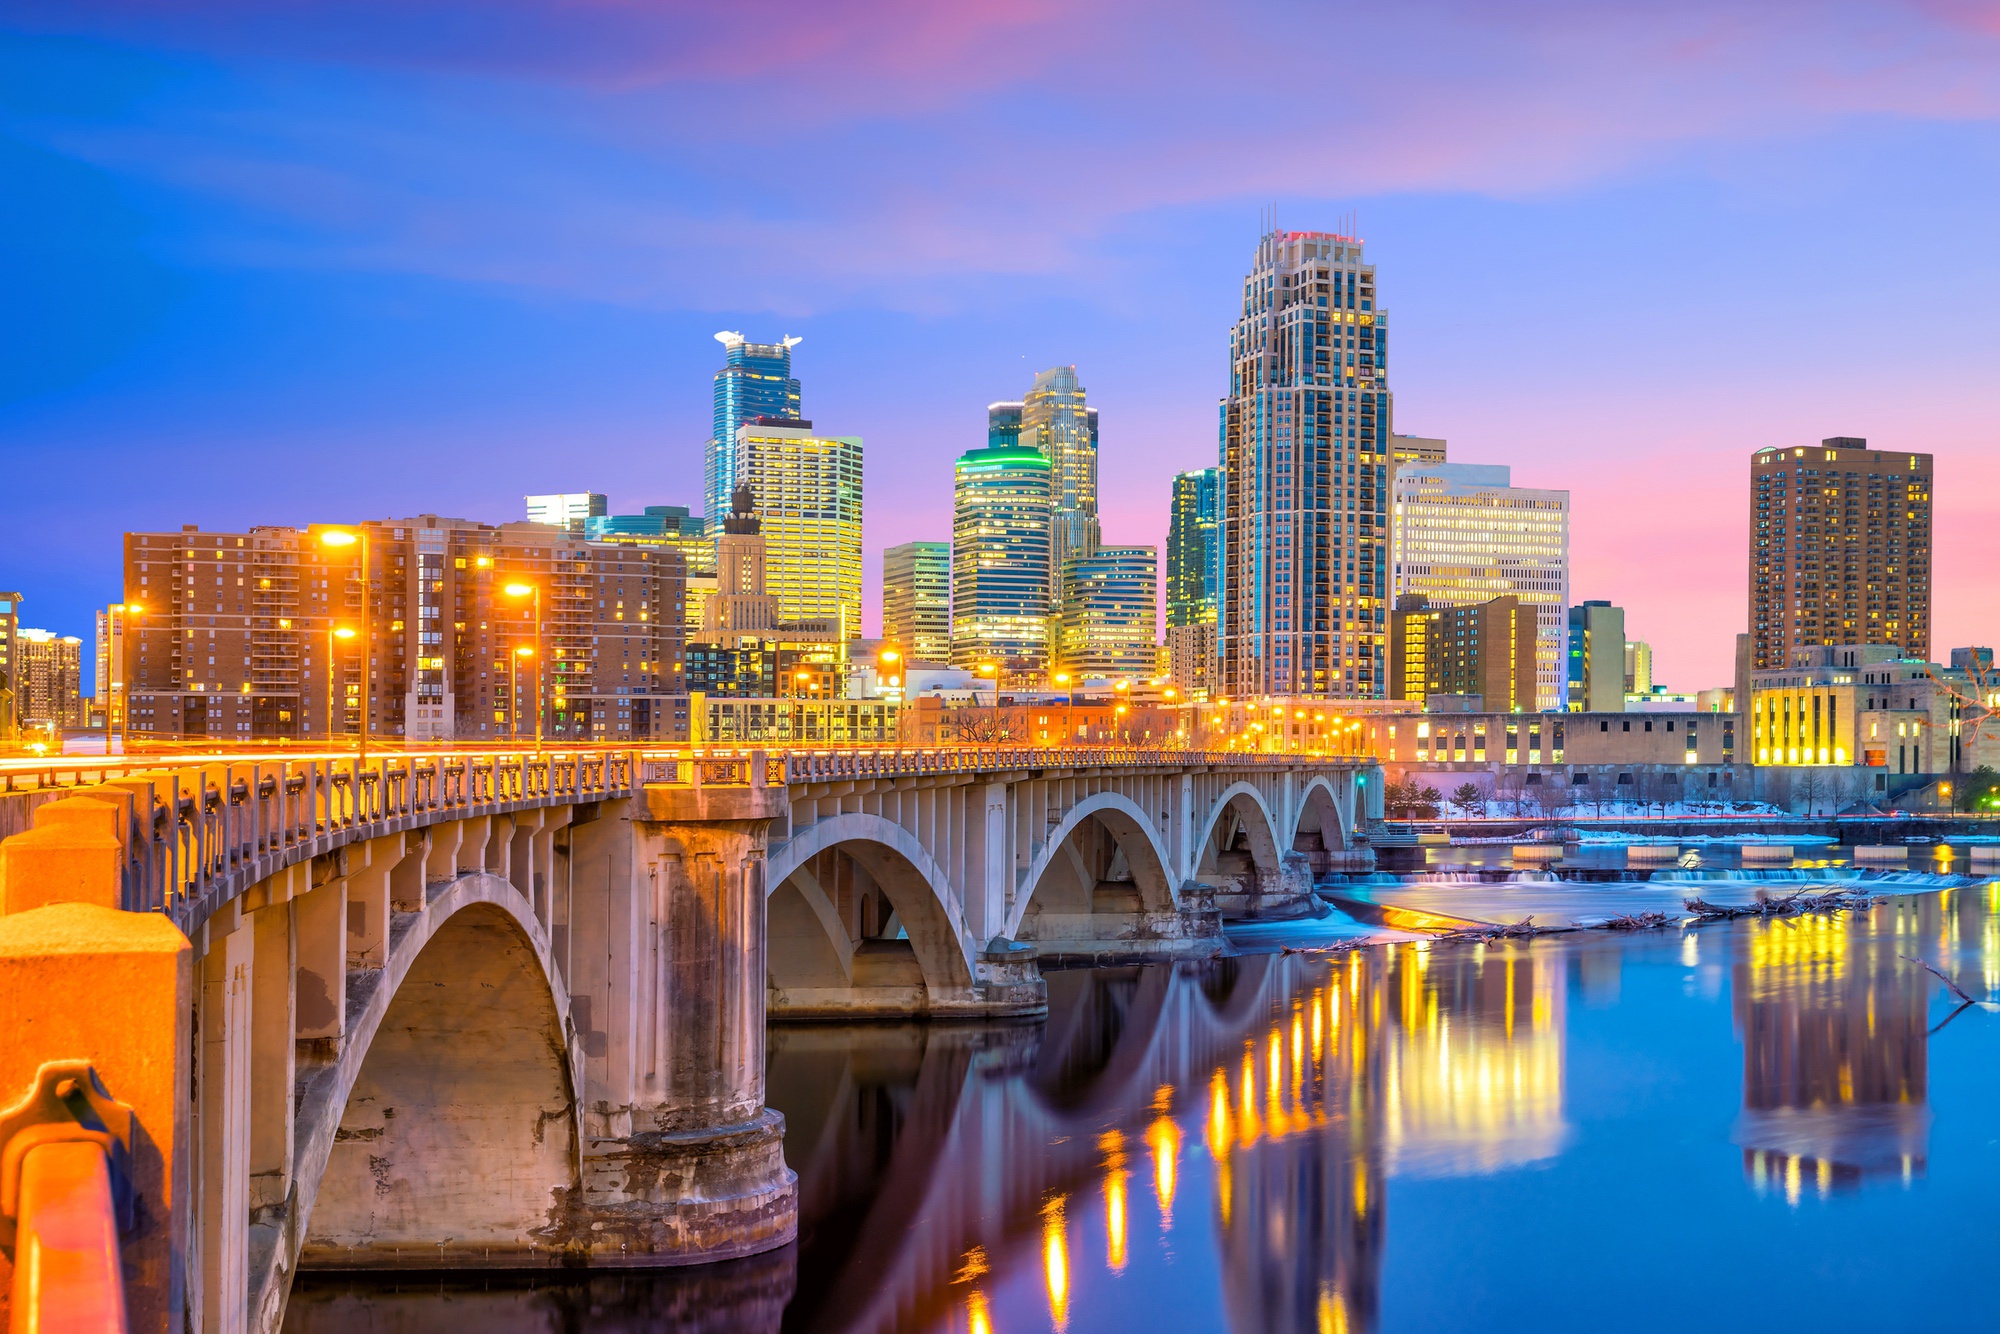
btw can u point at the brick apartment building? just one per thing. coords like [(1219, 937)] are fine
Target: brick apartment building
[(235, 635)]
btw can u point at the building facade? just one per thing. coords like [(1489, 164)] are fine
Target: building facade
[(669, 527), (808, 495), (1638, 667), (1056, 420), (1566, 761), (1109, 620), (50, 668), (1194, 580), (1000, 579), (10, 664), (1840, 550), (1305, 439), (916, 600), (1596, 658), (1485, 650), (571, 510), (1465, 533), (238, 637), (755, 381), (1415, 449), (110, 661)]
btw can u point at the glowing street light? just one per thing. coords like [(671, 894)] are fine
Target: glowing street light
[(340, 537)]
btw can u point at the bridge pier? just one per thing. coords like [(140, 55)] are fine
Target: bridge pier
[(1260, 894)]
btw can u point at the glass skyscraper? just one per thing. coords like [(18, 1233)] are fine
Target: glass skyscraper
[(1000, 574), (807, 493), (1194, 549), (1056, 420), (1107, 625), (1305, 461), (755, 381), (1003, 425), (916, 600)]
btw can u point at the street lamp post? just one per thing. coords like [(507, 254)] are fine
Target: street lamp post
[(533, 592), (340, 537)]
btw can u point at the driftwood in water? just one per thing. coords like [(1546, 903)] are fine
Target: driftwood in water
[(1788, 905), (1504, 931), (1639, 921)]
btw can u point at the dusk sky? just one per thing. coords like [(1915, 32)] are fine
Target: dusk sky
[(314, 261)]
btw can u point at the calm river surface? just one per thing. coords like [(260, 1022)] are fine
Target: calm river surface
[(1743, 1126)]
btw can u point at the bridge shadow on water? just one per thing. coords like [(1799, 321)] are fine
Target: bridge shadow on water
[(1213, 1145)]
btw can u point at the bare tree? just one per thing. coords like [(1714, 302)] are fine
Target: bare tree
[(1811, 785)]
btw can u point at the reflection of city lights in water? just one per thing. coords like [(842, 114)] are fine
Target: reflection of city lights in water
[(1112, 1145), (978, 1318), (1164, 1138), (1332, 1312), (1055, 1260)]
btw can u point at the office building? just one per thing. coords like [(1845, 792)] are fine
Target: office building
[(1003, 425), (1862, 704), (1638, 667), (110, 661), (10, 661), (916, 600), (1464, 533), (1194, 580), (668, 527), (239, 637), (1596, 658), (1109, 618), (741, 607), (1305, 438), (1000, 579), (1840, 550), (570, 510), (1415, 449), (755, 381), (808, 495), (1056, 420), (1483, 652), (50, 671)]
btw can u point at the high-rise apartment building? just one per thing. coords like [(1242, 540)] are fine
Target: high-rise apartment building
[(1056, 420), (1109, 617), (755, 381), (1485, 649), (1840, 550), (239, 634), (1465, 533), (570, 509), (916, 600), (1305, 438), (110, 663), (1638, 667), (10, 662), (808, 495), (1000, 577), (1194, 579), (1596, 658), (50, 667)]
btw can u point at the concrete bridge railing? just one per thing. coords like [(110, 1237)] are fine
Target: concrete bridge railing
[(508, 1009)]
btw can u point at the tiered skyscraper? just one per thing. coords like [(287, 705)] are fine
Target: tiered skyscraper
[(1305, 439), (755, 381)]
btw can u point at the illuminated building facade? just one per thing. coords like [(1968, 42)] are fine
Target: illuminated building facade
[(234, 638), (1596, 657), (1003, 425), (669, 527), (1638, 667), (1109, 618), (1056, 420), (570, 510), (1840, 550), (10, 661), (110, 663), (755, 381), (1415, 449), (1866, 705), (1305, 439), (808, 493), (1464, 533), (916, 600), (1486, 650), (1194, 580), (1000, 576), (49, 668)]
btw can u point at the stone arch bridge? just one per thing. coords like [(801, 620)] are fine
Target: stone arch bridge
[(508, 1010)]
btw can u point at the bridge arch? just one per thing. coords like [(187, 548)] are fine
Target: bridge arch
[(1319, 812), (1132, 833), (912, 882), (446, 1131), (1253, 816)]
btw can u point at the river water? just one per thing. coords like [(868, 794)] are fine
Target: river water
[(1752, 1125)]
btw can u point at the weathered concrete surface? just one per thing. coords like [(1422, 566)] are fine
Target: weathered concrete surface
[(81, 982)]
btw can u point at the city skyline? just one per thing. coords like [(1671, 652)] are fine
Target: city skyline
[(188, 303)]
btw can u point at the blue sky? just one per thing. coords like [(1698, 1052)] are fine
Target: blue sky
[(334, 260)]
